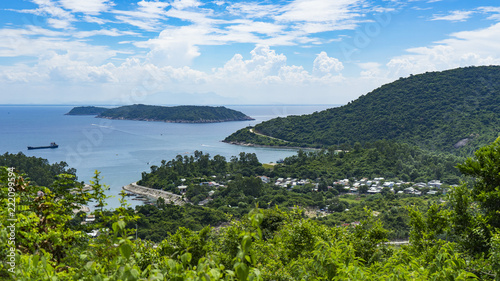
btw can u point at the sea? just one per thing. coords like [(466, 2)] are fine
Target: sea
[(121, 150)]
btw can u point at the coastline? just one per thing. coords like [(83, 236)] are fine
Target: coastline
[(175, 121), (269, 146), (154, 193)]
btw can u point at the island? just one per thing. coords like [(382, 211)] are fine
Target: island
[(174, 114), (86, 110)]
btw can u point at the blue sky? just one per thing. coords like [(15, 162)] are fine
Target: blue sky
[(233, 52)]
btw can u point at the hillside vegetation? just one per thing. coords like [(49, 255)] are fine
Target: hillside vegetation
[(86, 110), (453, 239), (40, 171), (453, 111), (180, 114)]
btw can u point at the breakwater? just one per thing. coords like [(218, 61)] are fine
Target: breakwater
[(154, 193)]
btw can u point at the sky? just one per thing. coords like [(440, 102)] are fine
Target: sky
[(220, 52)]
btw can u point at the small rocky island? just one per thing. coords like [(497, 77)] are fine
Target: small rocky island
[(174, 114)]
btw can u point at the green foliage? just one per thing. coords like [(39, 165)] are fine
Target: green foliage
[(184, 113), (379, 159), (475, 211), (270, 244), (264, 245), (39, 170), (485, 168), (425, 229), (155, 223), (202, 167), (435, 111)]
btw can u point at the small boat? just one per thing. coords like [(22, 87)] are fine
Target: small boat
[(52, 145)]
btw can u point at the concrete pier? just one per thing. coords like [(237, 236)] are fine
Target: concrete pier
[(154, 193)]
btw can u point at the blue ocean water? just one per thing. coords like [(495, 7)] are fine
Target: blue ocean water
[(120, 149)]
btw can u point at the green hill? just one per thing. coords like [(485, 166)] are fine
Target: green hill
[(178, 114), (454, 110), (86, 110)]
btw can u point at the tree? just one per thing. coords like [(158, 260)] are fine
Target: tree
[(485, 168), (363, 189)]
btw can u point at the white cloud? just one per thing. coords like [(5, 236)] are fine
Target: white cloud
[(59, 23), (324, 64), (182, 4), (313, 16), (97, 20), (465, 48), (38, 42), (370, 69), (147, 16), (253, 10), (176, 46), (58, 17), (454, 16), (113, 32), (248, 80), (91, 7), (494, 11)]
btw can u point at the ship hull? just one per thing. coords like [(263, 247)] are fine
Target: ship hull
[(42, 147)]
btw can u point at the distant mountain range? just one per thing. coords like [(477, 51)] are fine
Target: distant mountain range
[(175, 114), (454, 111)]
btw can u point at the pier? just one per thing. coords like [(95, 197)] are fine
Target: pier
[(154, 193)]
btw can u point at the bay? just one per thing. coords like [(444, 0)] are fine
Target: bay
[(122, 149)]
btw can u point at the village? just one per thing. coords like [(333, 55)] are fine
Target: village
[(365, 185), (343, 186)]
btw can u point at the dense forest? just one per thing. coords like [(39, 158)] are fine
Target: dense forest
[(86, 110), (40, 171), (449, 111), (181, 114), (453, 239)]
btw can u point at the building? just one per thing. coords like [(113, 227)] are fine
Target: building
[(182, 188)]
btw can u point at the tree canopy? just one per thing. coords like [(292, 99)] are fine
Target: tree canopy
[(182, 113)]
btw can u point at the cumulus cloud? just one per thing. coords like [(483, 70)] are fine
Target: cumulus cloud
[(249, 80), (323, 64)]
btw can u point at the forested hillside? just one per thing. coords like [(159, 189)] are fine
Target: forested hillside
[(40, 171), (386, 159), (457, 239), (183, 113), (453, 111), (234, 188), (453, 239), (86, 110)]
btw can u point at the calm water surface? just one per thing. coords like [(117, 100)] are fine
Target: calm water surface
[(120, 149)]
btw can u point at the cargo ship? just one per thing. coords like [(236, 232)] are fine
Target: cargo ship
[(52, 145)]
